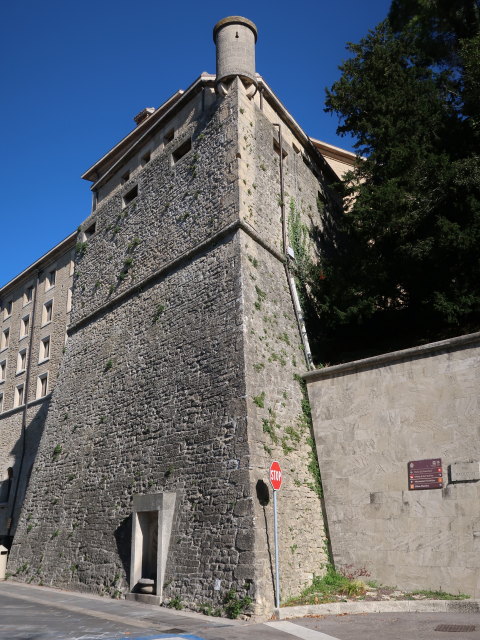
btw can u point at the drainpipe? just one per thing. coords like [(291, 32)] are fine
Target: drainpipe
[(94, 199), (291, 280), (25, 406)]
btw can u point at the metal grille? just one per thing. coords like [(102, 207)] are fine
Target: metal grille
[(455, 627)]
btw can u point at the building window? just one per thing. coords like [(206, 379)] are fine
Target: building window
[(146, 158), (168, 137), (19, 395), (182, 150), (3, 370), (7, 309), (50, 279), (28, 295), (126, 177), (42, 385), (21, 361), (24, 326), (90, 231), (276, 148), (72, 267), (45, 349), (69, 300), (130, 196), (5, 339), (47, 312)]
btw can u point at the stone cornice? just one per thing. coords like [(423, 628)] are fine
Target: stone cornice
[(384, 359)]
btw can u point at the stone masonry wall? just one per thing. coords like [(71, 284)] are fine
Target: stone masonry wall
[(145, 405), (178, 206), (277, 425), (151, 395), (372, 418), (181, 374)]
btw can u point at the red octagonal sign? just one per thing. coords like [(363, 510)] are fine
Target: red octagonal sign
[(275, 475)]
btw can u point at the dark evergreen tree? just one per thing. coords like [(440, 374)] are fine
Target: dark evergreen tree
[(404, 267)]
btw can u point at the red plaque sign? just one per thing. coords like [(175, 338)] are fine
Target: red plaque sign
[(425, 474), (275, 475)]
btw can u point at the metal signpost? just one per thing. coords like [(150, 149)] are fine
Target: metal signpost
[(276, 482)]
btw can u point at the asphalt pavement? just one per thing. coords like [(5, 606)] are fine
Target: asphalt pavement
[(396, 626), (41, 613)]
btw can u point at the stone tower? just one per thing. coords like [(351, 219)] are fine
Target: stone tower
[(179, 384), (235, 38)]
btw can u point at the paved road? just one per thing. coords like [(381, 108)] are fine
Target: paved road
[(21, 620), (39, 613), (36, 613), (395, 626)]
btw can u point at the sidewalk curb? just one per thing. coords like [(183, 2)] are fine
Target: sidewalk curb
[(380, 606), (110, 609)]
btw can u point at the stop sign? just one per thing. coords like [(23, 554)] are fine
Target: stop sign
[(275, 475)]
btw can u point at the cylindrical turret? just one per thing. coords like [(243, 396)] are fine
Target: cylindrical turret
[(235, 38)]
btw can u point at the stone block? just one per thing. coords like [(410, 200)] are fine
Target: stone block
[(245, 541), (465, 471)]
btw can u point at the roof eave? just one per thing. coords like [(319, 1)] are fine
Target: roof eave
[(293, 124), (94, 171), (51, 255), (102, 168)]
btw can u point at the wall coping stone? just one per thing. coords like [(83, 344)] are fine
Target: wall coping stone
[(378, 606), (384, 359)]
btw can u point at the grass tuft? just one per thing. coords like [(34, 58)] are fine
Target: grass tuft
[(324, 589)]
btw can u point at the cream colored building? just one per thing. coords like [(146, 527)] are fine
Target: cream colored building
[(340, 160), (34, 315)]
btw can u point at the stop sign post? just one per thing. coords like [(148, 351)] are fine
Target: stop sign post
[(276, 482), (275, 475)]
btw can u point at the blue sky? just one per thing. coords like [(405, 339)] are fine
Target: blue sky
[(75, 73)]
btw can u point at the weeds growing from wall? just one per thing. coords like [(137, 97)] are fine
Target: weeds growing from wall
[(269, 426), (234, 605), (133, 244), (175, 603), (260, 400), (56, 452), (81, 248), (305, 421), (159, 311), (261, 295)]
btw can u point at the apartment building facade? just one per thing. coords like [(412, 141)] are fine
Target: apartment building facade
[(34, 315)]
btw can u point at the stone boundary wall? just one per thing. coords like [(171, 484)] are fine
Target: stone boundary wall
[(371, 418)]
